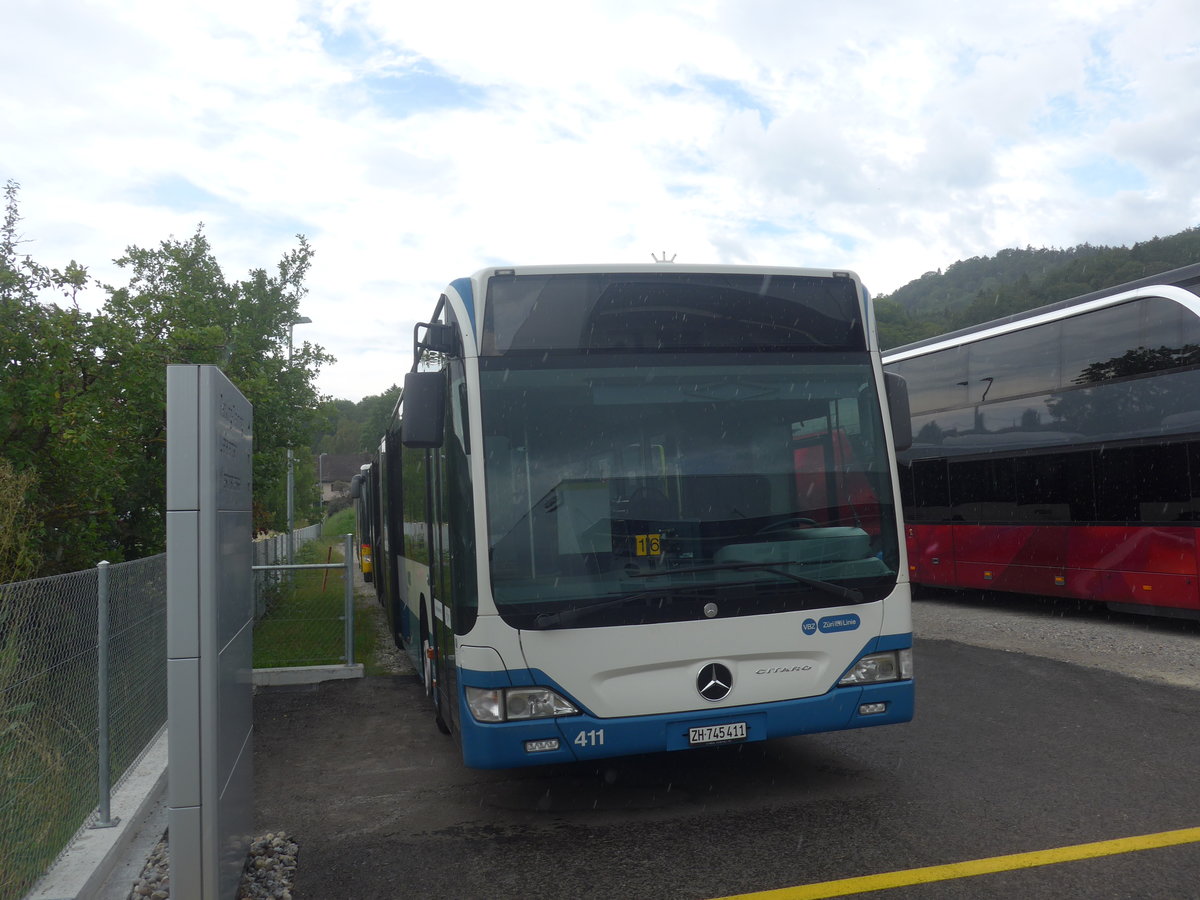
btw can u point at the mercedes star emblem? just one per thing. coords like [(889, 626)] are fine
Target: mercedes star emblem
[(714, 682)]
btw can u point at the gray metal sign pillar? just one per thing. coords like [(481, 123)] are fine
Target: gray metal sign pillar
[(210, 617)]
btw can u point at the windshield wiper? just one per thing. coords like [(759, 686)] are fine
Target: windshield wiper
[(565, 617), (828, 587)]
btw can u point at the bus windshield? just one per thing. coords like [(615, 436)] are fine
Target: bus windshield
[(627, 493), (669, 309)]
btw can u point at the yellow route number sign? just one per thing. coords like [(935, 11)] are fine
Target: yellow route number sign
[(648, 544)]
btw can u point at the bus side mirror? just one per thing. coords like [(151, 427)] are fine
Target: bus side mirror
[(424, 405), (897, 397), (356, 487)]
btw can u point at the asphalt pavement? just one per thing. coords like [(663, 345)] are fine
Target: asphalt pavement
[(382, 806), (1038, 726)]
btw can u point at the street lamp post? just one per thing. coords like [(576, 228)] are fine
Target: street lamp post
[(321, 482), (291, 464)]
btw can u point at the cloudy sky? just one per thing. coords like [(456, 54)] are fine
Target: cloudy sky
[(415, 142)]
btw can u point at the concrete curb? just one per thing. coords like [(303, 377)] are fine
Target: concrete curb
[(305, 674)]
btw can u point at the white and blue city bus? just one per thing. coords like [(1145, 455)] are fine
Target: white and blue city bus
[(629, 509)]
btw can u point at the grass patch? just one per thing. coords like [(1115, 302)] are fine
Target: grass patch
[(303, 625), (338, 524), (47, 727)]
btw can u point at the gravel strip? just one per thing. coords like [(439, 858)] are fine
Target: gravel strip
[(1151, 648), (388, 656), (268, 875)]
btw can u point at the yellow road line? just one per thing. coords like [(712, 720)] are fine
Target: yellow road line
[(908, 877)]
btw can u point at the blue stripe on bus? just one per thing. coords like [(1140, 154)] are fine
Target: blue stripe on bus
[(463, 286), (585, 737), (888, 642)]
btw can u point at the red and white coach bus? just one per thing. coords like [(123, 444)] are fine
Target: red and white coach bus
[(1057, 452)]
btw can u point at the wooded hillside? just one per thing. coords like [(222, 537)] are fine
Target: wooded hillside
[(983, 288)]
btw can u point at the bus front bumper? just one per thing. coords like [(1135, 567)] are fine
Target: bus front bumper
[(578, 738)]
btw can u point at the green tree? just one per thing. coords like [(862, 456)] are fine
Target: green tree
[(179, 308), (48, 418), (896, 326), (980, 289), (340, 430), (348, 427), (375, 411), (82, 401), (18, 528)]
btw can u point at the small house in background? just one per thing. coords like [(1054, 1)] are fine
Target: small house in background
[(334, 471)]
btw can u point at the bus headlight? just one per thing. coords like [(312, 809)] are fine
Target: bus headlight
[(487, 705), (536, 703), (893, 665), (518, 703)]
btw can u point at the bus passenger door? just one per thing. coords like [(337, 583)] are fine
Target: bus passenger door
[(442, 627)]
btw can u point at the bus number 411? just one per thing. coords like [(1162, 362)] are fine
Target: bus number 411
[(590, 738)]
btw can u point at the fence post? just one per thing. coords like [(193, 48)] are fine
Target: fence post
[(105, 820), (348, 551)]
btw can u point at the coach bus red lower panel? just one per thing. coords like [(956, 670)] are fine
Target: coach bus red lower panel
[(1146, 565), (1027, 559), (931, 554), (1154, 565), (1148, 548)]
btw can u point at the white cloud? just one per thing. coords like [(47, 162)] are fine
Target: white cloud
[(415, 143)]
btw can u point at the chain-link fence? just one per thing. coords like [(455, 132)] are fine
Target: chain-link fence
[(50, 728), (305, 615), (273, 551), (53, 738)]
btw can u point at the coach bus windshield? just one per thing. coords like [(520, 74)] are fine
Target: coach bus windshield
[(622, 493)]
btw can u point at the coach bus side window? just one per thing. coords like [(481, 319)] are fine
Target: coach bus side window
[(1142, 484), (390, 514), (983, 490), (931, 491), (1164, 324), (934, 428), (904, 472), (937, 381), (1192, 514), (1097, 338), (415, 507), (1015, 365), (1055, 487)]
